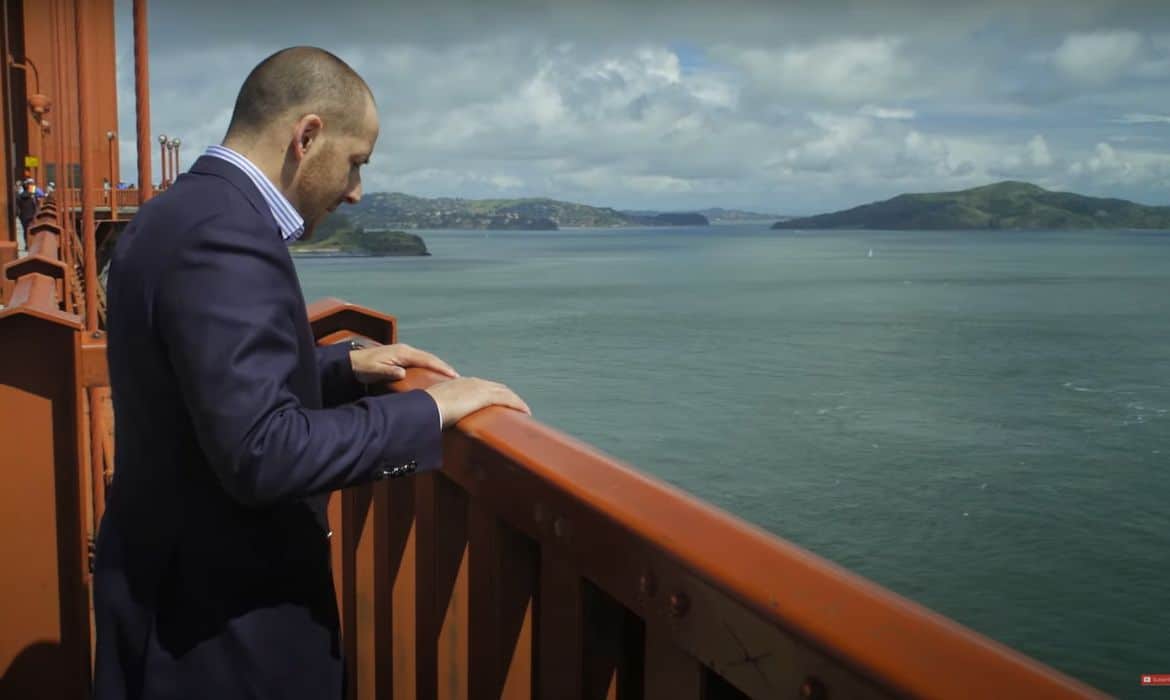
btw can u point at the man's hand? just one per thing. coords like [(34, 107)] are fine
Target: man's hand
[(461, 397), (388, 363)]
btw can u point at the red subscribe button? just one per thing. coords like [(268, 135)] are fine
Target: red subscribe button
[(1156, 679)]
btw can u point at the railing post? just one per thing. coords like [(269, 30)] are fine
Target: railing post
[(7, 255), (374, 549), (45, 647), (142, 101), (7, 227), (162, 161), (87, 170), (112, 140)]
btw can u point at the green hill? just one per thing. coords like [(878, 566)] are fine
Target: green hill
[(337, 235), (396, 210), (713, 215), (1004, 205), (718, 214)]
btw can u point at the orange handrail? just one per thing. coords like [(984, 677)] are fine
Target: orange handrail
[(894, 642)]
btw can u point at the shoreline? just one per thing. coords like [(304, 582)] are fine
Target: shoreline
[(569, 227), (339, 253)]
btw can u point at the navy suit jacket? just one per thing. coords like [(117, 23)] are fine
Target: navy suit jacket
[(212, 575)]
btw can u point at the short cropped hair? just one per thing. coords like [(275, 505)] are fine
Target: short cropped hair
[(303, 78)]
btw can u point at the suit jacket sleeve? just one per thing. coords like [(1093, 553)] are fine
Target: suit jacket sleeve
[(227, 309), (338, 383)]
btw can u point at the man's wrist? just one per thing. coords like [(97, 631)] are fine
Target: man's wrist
[(354, 346)]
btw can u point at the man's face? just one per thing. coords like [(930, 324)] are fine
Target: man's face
[(332, 172)]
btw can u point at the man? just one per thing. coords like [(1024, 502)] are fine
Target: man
[(26, 208), (212, 577)]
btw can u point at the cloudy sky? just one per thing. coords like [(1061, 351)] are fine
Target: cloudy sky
[(674, 104)]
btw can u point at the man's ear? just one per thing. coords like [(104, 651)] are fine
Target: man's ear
[(307, 133)]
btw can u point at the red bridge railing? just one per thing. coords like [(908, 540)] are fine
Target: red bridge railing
[(532, 565), (53, 413)]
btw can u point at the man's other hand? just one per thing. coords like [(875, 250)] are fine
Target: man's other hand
[(461, 397), (388, 363)]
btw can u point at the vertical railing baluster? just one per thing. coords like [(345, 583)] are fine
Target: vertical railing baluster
[(442, 589), (503, 581), (341, 582), (397, 639), (559, 627), (613, 645), (361, 614), (426, 620)]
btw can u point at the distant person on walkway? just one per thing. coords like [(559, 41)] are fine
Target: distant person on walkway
[(26, 208), (212, 577)]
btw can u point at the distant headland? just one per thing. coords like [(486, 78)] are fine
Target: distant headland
[(337, 235), (394, 210), (373, 225), (1005, 205)]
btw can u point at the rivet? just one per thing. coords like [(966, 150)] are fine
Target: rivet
[(813, 689), (647, 583), (679, 604)]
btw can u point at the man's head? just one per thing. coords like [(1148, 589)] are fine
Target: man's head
[(309, 122)]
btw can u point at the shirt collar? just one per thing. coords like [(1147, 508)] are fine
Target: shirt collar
[(290, 223)]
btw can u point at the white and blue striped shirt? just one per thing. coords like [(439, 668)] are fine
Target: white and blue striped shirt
[(291, 224)]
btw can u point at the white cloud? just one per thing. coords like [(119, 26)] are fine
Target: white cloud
[(1104, 160), (1033, 160), (589, 104), (506, 182), (1140, 118), (839, 138), (454, 179), (604, 178), (1107, 166), (1038, 154), (842, 71), (1097, 57), (924, 155), (885, 112)]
